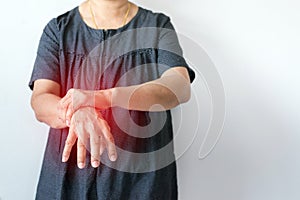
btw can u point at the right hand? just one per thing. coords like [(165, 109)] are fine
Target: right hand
[(89, 126)]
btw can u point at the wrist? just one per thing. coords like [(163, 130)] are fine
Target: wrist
[(103, 99), (89, 100)]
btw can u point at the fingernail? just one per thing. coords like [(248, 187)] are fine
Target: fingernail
[(81, 165), (64, 159), (68, 122), (95, 163), (113, 157)]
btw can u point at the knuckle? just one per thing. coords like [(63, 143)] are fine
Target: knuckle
[(68, 115), (80, 156), (81, 146), (95, 155), (110, 138), (68, 143), (96, 142), (66, 152)]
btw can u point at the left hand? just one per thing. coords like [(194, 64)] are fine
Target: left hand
[(72, 101)]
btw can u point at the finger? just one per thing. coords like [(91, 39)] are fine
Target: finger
[(70, 141), (69, 114), (102, 145), (95, 153), (111, 149), (81, 154), (60, 112), (66, 99), (65, 102), (110, 143)]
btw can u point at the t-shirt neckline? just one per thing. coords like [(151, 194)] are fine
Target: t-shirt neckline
[(101, 30)]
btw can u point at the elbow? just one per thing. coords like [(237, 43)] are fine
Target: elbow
[(34, 108), (34, 102), (182, 93), (174, 99), (180, 100), (185, 94), (38, 116)]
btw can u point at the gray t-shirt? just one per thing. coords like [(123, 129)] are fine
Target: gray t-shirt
[(77, 56)]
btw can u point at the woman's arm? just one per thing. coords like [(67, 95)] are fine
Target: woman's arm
[(44, 101), (164, 93), (171, 89)]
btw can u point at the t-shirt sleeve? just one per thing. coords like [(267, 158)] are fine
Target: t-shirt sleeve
[(46, 65), (169, 49)]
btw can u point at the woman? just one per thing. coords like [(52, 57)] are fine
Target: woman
[(106, 75)]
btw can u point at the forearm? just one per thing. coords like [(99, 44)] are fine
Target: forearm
[(45, 109), (164, 93), (161, 94), (144, 97)]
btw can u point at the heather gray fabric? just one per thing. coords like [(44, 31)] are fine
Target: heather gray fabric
[(78, 56)]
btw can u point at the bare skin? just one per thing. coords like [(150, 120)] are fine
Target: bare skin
[(109, 14), (77, 109), (44, 100), (88, 126), (168, 91)]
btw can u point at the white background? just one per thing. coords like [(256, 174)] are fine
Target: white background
[(255, 47)]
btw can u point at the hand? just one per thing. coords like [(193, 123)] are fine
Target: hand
[(89, 127), (76, 98), (72, 101)]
